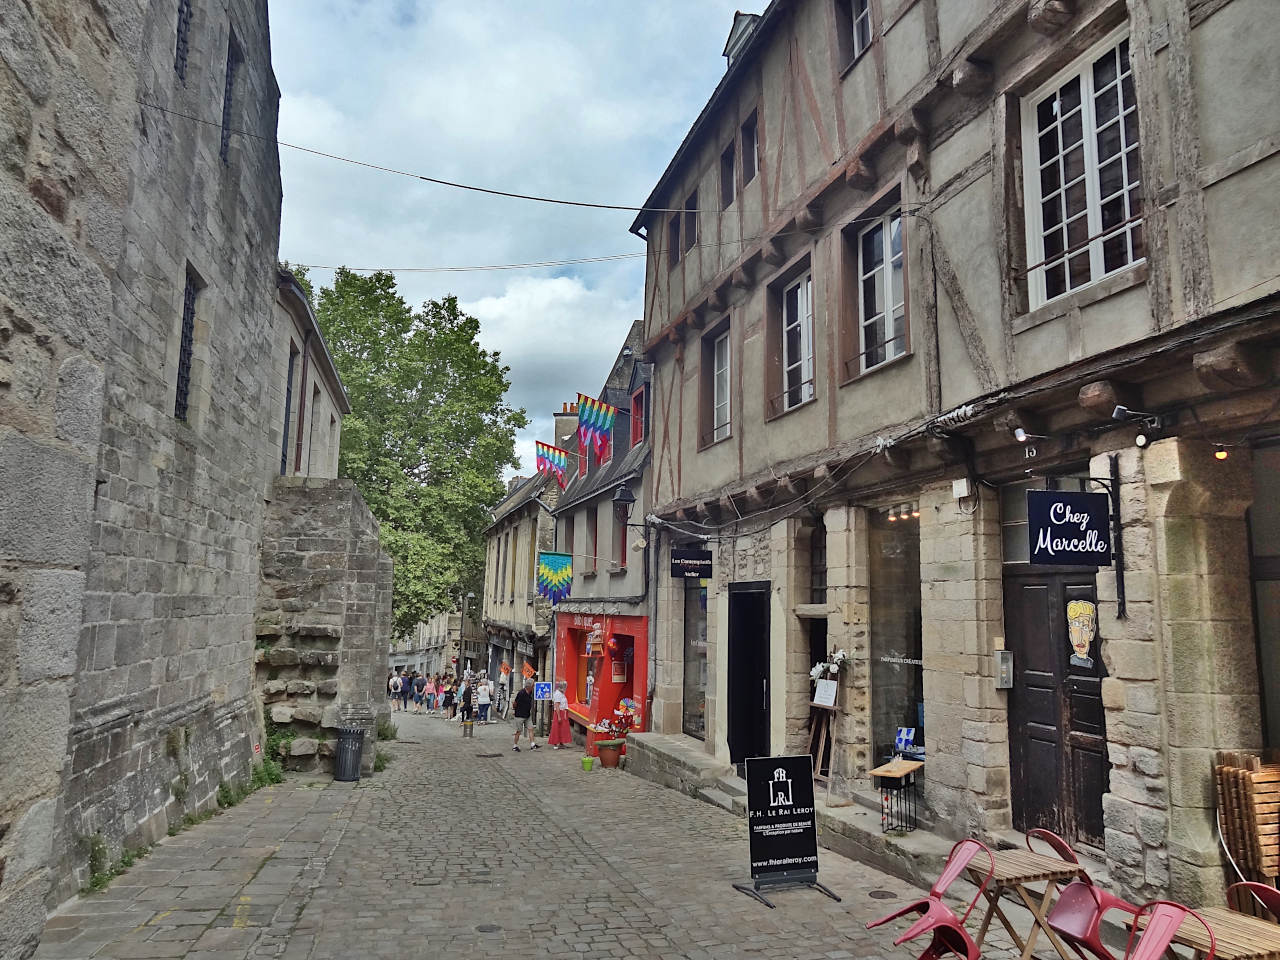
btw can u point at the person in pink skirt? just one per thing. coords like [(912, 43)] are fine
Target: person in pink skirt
[(561, 734)]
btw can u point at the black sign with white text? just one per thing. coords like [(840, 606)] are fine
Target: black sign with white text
[(1069, 529), (690, 563), (780, 817)]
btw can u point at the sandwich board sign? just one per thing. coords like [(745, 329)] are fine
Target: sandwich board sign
[(782, 825)]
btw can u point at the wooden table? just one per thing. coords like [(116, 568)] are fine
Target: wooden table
[(1239, 935), (1014, 870)]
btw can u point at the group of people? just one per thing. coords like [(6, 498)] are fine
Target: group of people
[(460, 698), (441, 694)]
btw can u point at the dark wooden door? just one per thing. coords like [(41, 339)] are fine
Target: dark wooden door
[(1057, 729), (748, 712)]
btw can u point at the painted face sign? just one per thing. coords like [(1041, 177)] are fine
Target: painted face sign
[(1069, 529), (1082, 626)]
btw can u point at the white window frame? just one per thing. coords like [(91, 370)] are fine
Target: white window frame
[(896, 346), (721, 366), (1081, 67), (803, 364), (860, 16)]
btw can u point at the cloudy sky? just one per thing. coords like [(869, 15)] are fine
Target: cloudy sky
[(577, 100)]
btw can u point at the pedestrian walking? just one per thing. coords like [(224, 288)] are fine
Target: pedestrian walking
[(483, 698), (439, 694), (561, 732), (406, 687), (419, 692), (391, 693), (524, 716), (394, 685), (448, 701), (467, 698)]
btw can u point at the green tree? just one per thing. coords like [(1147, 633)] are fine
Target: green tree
[(428, 436)]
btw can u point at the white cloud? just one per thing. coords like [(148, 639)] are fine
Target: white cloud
[(557, 98)]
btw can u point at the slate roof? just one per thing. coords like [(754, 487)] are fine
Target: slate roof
[(517, 498), (627, 467)]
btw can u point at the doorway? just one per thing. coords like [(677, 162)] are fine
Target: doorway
[(1058, 763), (748, 708)]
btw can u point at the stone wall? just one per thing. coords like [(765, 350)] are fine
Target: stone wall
[(323, 621)]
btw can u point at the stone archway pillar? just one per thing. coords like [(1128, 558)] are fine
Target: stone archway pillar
[(1204, 625)]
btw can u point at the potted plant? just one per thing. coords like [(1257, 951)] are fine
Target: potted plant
[(587, 762), (616, 728)]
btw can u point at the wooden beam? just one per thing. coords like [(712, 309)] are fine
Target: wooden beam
[(1230, 367), (718, 301), (910, 126), (773, 254), (968, 324), (859, 174), (741, 278), (1050, 16), (950, 448), (1101, 397), (810, 218), (971, 78), (898, 457)]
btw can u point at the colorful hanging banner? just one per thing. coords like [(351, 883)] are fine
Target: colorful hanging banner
[(552, 460), (595, 421), (555, 575)]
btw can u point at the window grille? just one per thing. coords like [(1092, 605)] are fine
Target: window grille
[(1084, 204), (183, 39), (185, 346)]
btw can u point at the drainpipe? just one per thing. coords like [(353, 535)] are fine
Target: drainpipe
[(302, 398), (651, 583)]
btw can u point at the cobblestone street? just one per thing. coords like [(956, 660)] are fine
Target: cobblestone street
[(462, 848)]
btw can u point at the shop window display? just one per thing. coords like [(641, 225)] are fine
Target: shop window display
[(897, 675), (694, 719)]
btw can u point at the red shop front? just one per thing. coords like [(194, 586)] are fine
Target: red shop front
[(603, 660)]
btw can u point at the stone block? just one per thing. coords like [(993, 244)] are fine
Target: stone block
[(52, 524), (305, 687), (282, 657), (308, 713), (50, 631), (281, 713), (274, 687), (303, 747), (78, 403)]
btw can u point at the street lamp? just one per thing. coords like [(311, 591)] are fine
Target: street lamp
[(624, 502)]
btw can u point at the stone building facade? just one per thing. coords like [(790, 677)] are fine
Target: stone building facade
[(971, 250), (431, 647), (515, 619), (139, 423)]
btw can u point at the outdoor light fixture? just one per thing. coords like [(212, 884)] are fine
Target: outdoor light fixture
[(623, 502), (893, 514), (1221, 453), (904, 512), (915, 510), (1022, 436), (1121, 412)]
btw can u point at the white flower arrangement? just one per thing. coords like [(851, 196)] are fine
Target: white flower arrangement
[(831, 666)]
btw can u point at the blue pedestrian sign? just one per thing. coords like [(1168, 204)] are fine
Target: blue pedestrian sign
[(542, 690)]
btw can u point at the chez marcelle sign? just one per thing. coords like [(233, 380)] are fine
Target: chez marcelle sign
[(1069, 529)]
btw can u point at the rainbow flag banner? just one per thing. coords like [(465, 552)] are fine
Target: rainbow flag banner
[(595, 421), (555, 575), (552, 460)]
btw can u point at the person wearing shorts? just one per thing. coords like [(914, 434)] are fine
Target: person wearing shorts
[(523, 709), (419, 692)]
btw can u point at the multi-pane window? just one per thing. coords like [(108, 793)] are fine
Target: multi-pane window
[(720, 387), (186, 345), (183, 39), (1084, 204), (728, 181), (860, 10), (637, 416), (797, 342), (881, 294), (234, 59), (750, 148)]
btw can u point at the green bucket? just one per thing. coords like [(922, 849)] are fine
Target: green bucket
[(587, 762)]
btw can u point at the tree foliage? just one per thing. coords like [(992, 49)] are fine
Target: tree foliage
[(428, 436)]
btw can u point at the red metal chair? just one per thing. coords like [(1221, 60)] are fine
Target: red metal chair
[(949, 935), (1076, 916), (1269, 897), (1166, 918)]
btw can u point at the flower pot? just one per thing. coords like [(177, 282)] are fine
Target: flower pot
[(610, 751), (587, 762)]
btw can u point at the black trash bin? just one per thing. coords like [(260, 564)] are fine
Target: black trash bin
[(346, 757)]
